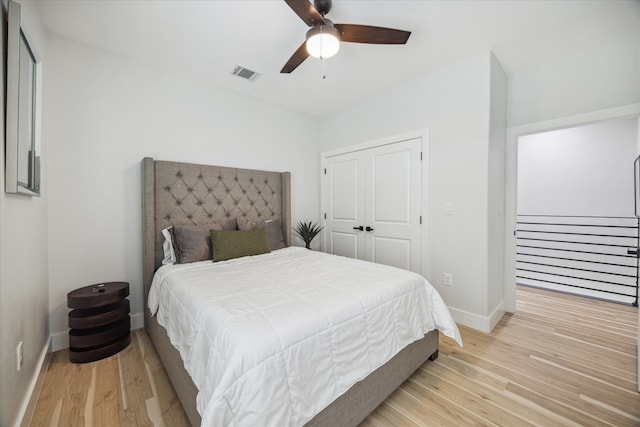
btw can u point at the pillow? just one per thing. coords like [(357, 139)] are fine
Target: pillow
[(235, 244), (192, 243), (167, 248), (274, 230), (250, 224), (274, 234)]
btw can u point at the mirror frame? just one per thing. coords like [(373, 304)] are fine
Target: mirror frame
[(24, 83)]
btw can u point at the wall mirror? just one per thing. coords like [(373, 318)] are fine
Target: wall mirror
[(23, 150)]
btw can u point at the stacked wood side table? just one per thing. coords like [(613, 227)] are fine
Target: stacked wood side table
[(100, 323)]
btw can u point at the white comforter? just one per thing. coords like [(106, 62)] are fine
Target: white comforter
[(271, 340)]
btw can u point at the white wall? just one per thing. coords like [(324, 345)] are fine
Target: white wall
[(638, 135), (495, 191), (596, 78), (454, 104), (24, 290), (105, 113), (586, 170)]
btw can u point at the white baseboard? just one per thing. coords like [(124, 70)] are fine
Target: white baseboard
[(28, 406), (60, 340), (475, 321), (137, 321), (496, 315)]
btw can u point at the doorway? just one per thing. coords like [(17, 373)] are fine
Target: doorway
[(576, 229), (511, 180)]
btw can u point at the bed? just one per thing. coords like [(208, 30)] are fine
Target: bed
[(176, 194)]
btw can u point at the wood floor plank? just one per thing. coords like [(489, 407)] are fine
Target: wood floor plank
[(563, 378), (622, 343), (572, 347), (427, 407), (135, 385), (485, 388), (50, 396), (387, 416), (535, 390), (560, 395), (479, 404), (564, 299), (597, 375), (76, 383), (171, 410), (559, 360), (560, 317), (106, 405), (613, 318)]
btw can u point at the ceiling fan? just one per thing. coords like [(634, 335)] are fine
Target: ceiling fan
[(324, 37)]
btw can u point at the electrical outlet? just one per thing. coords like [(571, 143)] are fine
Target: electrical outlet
[(447, 279), (19, 355)]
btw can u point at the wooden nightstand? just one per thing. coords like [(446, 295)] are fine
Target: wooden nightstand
[(100, 323)]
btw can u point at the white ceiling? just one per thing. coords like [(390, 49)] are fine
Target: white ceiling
[(205, 40)]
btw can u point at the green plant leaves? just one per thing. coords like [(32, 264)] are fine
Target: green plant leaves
[(307, 230)]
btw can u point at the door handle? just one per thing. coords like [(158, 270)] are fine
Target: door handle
[(369, 228), (359, 228)]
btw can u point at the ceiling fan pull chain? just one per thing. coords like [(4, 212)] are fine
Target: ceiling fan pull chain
[(324, 68)]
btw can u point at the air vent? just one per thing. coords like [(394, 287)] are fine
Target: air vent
[(245, 73)]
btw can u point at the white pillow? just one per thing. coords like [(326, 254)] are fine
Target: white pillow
[(167, 248)]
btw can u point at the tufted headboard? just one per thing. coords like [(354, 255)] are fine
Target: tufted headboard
[(176, 193)]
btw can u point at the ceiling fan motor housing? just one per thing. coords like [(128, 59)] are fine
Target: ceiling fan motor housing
[(322, 6)]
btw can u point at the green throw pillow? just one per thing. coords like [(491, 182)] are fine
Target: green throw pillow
[(235, 244)]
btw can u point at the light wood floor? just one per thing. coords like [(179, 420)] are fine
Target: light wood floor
[(130, 388), (558, 361)]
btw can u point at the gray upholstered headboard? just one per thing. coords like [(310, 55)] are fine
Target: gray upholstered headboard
[(176, 193)]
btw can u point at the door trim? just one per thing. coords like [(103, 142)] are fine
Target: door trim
[(391, 139)]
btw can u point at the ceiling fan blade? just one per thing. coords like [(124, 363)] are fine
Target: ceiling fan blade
[(296, 59), (369, 34), (305, 10)]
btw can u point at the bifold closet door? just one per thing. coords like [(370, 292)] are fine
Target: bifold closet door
[(373, 204)]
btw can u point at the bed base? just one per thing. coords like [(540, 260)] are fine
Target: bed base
[(348, 410)]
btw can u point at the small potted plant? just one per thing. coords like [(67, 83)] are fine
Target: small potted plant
[(307, 230)]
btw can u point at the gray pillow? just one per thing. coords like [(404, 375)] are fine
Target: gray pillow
[(235, 244), (274, 234), (273, 227), (250, 224), (192, 243)]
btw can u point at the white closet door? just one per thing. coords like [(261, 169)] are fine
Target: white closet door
[(393, 200), (378, 189), (345, 206)]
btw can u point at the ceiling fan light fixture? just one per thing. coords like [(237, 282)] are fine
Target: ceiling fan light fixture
[(323, 41), (323, 38)]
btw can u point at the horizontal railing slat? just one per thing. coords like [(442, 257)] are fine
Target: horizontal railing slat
[(586, 270), (540, 255), (575, 251), (588, 253)]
